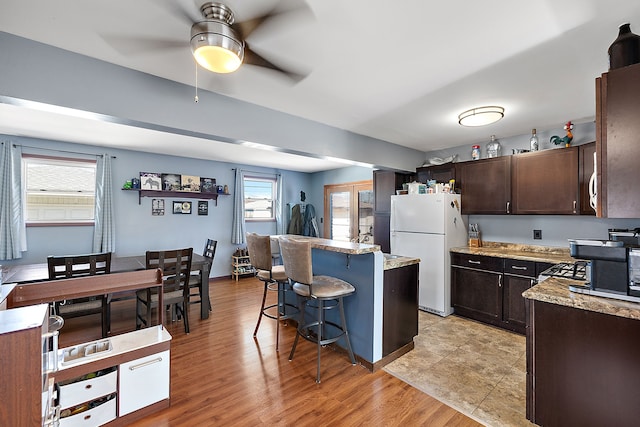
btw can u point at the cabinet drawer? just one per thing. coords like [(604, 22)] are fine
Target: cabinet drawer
[(520, 268), (97, 416), (83, 391), (144, 382), (479, 262)]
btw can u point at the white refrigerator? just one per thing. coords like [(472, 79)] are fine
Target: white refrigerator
[(426, 226)]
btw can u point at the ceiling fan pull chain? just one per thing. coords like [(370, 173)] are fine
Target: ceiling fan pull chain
[(196, 98)]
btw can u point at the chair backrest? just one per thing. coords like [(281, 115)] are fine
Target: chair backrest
[(175, 265), (66, 266), (210, 249), (296, 257), (259, 251)]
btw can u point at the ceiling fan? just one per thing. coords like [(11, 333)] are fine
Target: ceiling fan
[(218, 43)]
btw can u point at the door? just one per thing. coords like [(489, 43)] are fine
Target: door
[(348, 212)]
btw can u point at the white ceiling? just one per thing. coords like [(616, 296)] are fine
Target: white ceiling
[(397, 71)]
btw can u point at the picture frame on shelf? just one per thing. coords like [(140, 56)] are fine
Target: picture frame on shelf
[(203, 207), (150, 181), (171, 182), (208, 185), (181, 207), (190, 183)]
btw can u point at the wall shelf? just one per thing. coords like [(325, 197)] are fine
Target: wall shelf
[(175, 194)]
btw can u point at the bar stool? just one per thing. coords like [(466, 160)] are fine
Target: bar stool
[(321, 293), (274, 279)]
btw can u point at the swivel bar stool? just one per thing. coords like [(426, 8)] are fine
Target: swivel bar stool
[(321, 293), (274, 279)]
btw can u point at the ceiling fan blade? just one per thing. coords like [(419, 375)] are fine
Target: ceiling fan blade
[(186, 16), (127, 45), (253, 58), (245, 28)]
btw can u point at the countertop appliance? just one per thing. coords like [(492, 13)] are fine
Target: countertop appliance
[(427, 226), (613, 268)]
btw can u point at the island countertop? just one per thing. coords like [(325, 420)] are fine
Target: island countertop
[(553, 255), (351, 248), (556, 291)]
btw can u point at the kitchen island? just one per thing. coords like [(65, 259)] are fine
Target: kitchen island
[(363, 266), (582, 357)]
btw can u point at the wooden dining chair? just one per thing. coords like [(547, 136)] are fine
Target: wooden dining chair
[(68, 266), (176, 271), (196, 279)]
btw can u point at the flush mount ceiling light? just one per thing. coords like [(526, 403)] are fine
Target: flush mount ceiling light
[(216, 46), (481, 116)]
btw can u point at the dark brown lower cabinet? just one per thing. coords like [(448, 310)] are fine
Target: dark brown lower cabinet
[(400, 308), (489, 289), (582, 367), (477, 294)]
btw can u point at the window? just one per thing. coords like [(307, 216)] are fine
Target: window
[(259, 196), (59, 190)]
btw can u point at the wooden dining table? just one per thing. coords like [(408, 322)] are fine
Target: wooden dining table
[(31, 273)]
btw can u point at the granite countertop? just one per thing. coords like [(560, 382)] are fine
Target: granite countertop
[(550, 254), (335, 245), (397, 261), (556, 291)]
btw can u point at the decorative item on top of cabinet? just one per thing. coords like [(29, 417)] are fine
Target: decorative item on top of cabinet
[(566, 140), (617, 148)]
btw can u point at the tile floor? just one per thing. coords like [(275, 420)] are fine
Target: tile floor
[(477, 369)]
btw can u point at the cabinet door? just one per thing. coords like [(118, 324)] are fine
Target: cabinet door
[(514, 303), (617, 130), (546, 182), (381, 230), (439, 173), (143, 382), (400, 308), (486, 186), (385, 184), (477, 294), (586, 152)]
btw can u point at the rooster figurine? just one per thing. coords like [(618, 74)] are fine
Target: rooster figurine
[(567, 139)]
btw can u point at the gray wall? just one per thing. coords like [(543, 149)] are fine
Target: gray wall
[(556, 229), (83, 83), (136, 229)]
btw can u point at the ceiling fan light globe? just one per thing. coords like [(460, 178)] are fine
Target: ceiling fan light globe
[(217, 59), (216, 47)]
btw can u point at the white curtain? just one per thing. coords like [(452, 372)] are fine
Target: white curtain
[(237, 229), (12, 229), (104, 231), (279, 202)]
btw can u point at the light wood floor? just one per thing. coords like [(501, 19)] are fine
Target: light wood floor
[(221, 375)]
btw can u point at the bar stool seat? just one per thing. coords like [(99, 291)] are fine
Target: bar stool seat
[(320, 293), (274, 278)]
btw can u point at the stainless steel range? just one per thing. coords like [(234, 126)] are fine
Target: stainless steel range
[(566, 270)]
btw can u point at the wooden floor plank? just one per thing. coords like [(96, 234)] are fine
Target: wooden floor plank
[(221, 375)]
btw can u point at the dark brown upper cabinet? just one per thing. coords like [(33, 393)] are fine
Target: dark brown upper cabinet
[(546, 182), (485, 186), (618, 142)]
